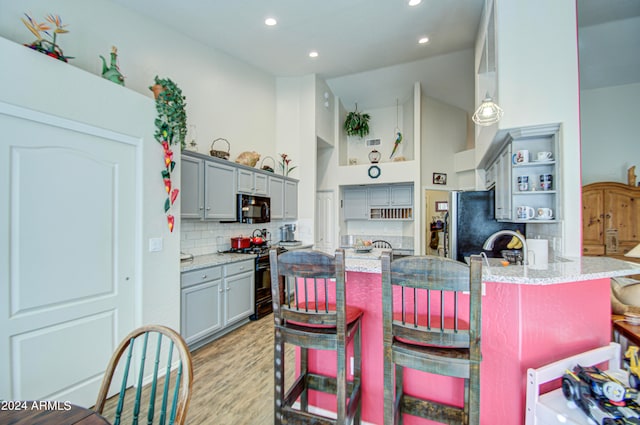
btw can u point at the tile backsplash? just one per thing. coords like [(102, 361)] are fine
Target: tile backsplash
[(203, 237)]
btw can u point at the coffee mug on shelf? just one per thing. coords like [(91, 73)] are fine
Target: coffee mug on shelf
[(545, 156), (546, 181), (521, 157), (545, 213), (523, 183), (525, 213)]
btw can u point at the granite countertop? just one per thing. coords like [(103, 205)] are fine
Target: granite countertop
[(209, 260), (564, 270)]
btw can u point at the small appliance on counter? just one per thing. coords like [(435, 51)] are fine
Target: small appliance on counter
[(287, 233)]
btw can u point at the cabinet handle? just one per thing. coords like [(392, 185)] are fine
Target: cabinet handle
[(201, 207), (221, 290), (228, 289), (204, 276), (208, 208)]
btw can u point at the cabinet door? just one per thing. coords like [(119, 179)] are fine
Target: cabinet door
[(379, 196), (401, 196), (220, 191), (290, 200), (239, 297), (276, 193), (192, 193), (355, 204), (260, 184), (245, 181), (622, 214), (593, 217), (201, 310), (503, 185)]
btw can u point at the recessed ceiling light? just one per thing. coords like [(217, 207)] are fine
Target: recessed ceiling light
[(414, 2), (423, 40), (313, 54), (270, 22)]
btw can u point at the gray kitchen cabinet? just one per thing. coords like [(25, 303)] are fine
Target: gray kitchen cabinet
[(355, 204), (192, 190), (276, 193), (379, 196), (239, 291), (215, 300), (252, 183), (219, 191), (503, 210), (290, 199), (201, 303), (401, 196)]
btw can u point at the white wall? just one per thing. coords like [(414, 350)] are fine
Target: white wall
[(225, 97), (609, 128), (444, 133)]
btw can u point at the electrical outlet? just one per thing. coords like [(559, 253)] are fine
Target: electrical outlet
[(155, 244)]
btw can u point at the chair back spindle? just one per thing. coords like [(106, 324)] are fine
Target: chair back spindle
[(165, 407)]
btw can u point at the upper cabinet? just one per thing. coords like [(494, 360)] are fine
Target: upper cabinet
[(527, 176), (378, 202), (210, 186)]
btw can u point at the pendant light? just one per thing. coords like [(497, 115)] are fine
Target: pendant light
[(488, 112)]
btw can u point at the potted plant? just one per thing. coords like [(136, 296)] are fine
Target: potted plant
[(172, 116), (48, 47), (357, 124)]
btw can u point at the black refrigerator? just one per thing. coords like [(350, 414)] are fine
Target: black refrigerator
[(470, 221)]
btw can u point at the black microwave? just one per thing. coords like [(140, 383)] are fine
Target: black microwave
[(253, 209)]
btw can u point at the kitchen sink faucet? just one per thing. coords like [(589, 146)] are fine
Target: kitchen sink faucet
[(488, 244)]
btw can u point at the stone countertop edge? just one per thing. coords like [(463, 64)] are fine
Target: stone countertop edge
[(568, 270), (210, 260)]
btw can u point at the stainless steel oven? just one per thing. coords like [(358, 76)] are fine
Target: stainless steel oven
[(253, 209)]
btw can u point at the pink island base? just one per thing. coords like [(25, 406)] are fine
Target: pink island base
[(523, 326)]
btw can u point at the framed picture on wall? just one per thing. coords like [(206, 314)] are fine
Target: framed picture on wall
[(439, 178), (442, 206)]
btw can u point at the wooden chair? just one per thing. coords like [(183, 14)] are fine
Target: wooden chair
[(381, 244), (166, 400), (436, 339), (310, 311)]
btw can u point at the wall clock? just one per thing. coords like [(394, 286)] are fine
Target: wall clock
[(374, 171)]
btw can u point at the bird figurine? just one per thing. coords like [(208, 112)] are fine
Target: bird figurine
[(397, 143)]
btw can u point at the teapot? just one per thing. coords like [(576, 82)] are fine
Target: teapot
[(113, 73)]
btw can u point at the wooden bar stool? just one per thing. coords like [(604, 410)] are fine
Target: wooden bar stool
[(432, 323), (310, 311)]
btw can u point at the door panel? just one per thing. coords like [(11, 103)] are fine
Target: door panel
[(68, 268)]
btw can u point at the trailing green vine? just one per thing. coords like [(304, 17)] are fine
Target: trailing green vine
[(171, 128)]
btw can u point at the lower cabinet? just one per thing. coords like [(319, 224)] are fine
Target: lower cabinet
[(214, 299)]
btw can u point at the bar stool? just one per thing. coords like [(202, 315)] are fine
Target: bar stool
[(310, 311), (422, 300)]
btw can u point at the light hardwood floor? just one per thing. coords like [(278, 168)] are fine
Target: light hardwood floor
[(232, 379)]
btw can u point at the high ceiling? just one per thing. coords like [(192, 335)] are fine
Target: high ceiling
[(350, 36)]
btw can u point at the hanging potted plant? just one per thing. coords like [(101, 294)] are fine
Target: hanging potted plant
[(357, 124)]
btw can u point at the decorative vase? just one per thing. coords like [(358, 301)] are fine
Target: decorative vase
[(157, 89)]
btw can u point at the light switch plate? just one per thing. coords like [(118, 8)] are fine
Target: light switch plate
[(155, 244)]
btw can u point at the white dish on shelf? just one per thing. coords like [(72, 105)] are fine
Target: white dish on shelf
[(544, 218), (362, 248)]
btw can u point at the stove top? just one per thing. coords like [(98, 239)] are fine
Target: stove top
[(258, 250)]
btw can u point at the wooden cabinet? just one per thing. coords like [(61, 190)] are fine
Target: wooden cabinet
[(214, 299), (610, 219)]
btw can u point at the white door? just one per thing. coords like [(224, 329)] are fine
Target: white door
[(325, 220), (67, 258)]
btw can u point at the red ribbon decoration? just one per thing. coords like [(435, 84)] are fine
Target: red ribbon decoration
[(170, 221), (174, 195)]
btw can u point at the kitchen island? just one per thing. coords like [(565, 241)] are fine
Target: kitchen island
[(530, 317)]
